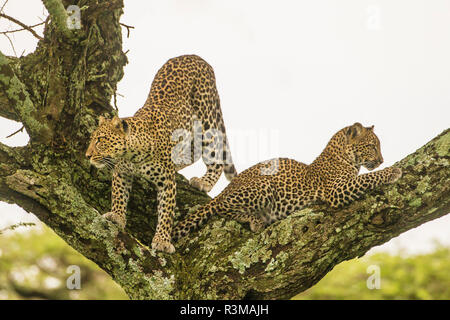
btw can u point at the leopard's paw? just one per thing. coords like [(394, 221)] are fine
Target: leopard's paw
[(160, 244), (256, 225), (117, 219), (199, 184)]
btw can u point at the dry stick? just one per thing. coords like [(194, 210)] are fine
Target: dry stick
[(115, 100), (12, 44), (22, 25), (3, 6), (128, 28), (20, 130), (17, 30)]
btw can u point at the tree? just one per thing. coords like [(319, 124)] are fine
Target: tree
[(58, 92)]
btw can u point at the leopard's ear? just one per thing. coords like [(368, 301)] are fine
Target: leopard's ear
[(354, 131), (120, 124)]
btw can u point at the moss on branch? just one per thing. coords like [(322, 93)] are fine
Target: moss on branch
[(17, 96), (59, 16)]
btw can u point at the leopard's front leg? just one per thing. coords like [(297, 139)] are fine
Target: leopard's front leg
[(120, 192), (349, 190), (166, 186)]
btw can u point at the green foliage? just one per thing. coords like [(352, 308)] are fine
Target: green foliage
[(33, 265), (423, 276)]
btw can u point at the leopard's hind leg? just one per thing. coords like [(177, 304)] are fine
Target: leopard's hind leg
[(252, 203), (215, 151)]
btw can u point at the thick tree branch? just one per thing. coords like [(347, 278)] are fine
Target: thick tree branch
[(59, 16), (292, 255), (18, 100), (6, 110), (224, 259)]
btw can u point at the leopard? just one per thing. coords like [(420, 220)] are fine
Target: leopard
[(180, 122), (271, 190)]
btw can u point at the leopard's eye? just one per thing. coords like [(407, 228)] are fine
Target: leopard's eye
[(100, 139)]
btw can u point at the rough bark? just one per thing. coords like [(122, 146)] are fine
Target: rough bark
[(58, 92)]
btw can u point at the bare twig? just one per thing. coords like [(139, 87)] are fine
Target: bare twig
[(12, 44), (20, 130), (128, 28), (115, 100), (24, 26), (17, 30), (3, 6)]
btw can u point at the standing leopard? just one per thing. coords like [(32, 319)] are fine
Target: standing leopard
[(271, 190), (183, 103)]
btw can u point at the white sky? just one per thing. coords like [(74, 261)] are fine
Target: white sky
[(290, 74)]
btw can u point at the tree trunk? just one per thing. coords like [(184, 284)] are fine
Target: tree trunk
[(59, 91)]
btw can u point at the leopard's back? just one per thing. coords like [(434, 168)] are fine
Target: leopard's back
[(186, 84)]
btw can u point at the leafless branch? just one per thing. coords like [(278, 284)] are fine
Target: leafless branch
[(17, 30), (12, 44), (24, 26), (16, 132), (3, 6), (128, 28)]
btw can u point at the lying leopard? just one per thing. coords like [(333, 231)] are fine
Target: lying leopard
[(183, 103), (271, 190)]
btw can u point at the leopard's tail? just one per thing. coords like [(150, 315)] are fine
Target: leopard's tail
[(229, 168), (230, 171), (193, 220)]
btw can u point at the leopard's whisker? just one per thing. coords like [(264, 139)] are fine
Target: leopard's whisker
[(109, 162)]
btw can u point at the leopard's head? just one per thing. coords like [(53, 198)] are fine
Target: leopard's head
[(108, 142), (363, 146)]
